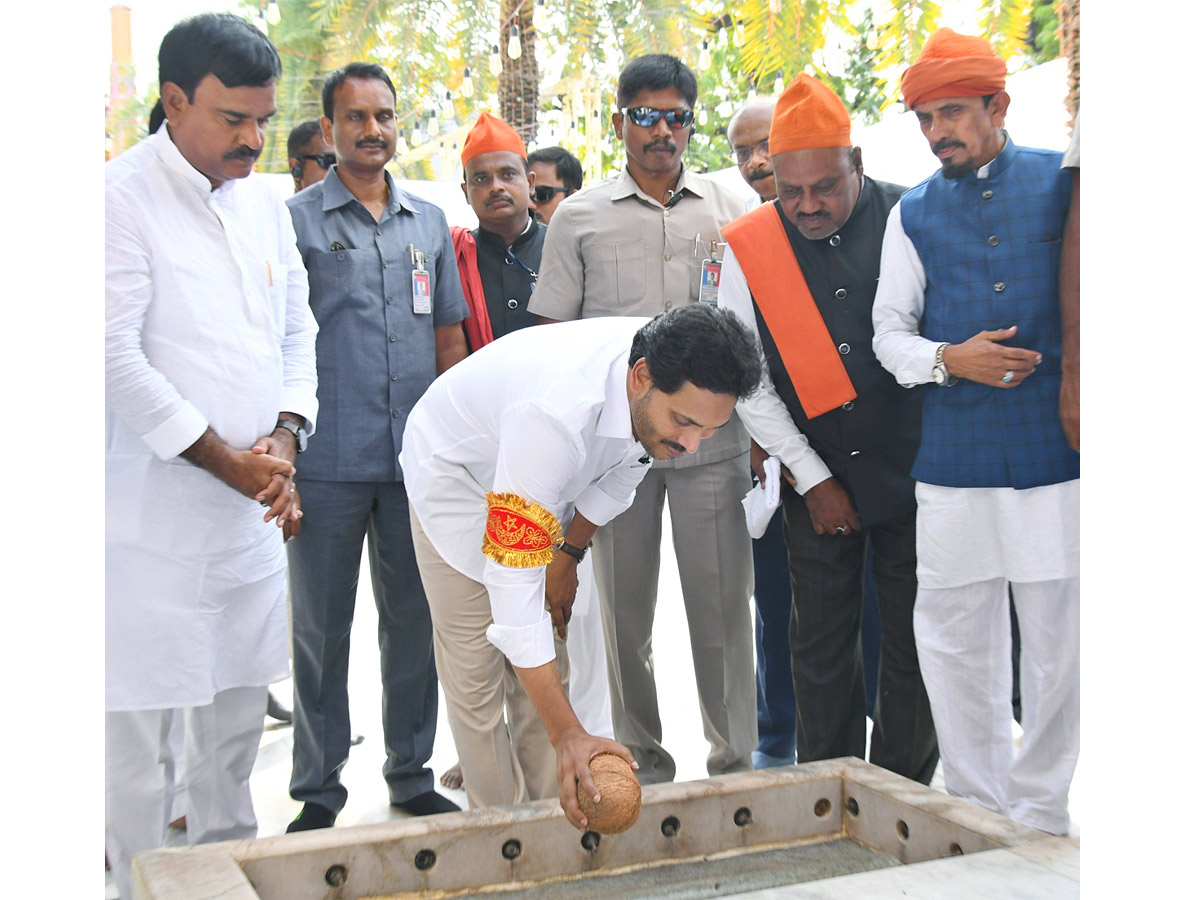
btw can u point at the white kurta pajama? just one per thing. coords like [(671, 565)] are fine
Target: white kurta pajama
[(972, 544), (207, 324)]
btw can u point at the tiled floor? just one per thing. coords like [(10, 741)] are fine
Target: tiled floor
[(368, 801)]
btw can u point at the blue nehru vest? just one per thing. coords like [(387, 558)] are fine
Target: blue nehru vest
[(990, 248)]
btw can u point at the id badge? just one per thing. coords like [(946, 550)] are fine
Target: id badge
[(710, 280), (421, 301)]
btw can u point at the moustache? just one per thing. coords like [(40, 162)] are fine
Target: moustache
[(244, 152), (759, 175), (946, 144), (499, 198), (675, 446), (371, 142), (669, 146)]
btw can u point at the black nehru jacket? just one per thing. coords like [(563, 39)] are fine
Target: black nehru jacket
[(507, 285), (870, 443)]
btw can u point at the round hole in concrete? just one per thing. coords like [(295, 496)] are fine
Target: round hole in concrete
[(335, 876), (743, 817), (902, 829), (590, 840), (670, 826), (424, 860), (822, 807), (852, 806), (511, 849), (956, 850)]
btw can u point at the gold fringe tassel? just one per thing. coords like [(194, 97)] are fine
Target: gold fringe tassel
[(519, 533)]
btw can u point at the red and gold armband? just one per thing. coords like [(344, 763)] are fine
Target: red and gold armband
[(519, 533)]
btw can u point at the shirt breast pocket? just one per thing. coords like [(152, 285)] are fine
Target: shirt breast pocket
[(336, 277), (618, 273)]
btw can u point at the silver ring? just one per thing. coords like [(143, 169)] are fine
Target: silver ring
[(1007, 377), (841, 529)]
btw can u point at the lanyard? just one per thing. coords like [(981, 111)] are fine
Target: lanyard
[(511, 257)]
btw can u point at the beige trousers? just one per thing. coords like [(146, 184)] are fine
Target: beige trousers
[(503, 748)]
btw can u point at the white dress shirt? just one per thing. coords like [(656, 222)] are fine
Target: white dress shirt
[(207, 324), (763, 413), (542, 413)]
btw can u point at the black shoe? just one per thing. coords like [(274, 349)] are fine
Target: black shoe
[(277, 711), (313, 815), (429, 803)]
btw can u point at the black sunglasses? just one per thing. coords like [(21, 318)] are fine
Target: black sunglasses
[(648, 116), (544, 193), (324, 160)]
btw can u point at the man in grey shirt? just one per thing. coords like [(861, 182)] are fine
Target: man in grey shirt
[(635, 245), (384, 287)]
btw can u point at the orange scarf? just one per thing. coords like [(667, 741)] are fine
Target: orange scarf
[(787, 306), (477, 326)]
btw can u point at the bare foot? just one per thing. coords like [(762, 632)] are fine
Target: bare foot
[(452, 777)]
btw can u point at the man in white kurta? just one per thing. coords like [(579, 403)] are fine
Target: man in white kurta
[(512, 459), (209, 349)]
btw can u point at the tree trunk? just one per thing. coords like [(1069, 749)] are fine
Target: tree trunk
[(518, 87), (1068, 14)]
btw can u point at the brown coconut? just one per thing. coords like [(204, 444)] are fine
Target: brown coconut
[(620, 795)]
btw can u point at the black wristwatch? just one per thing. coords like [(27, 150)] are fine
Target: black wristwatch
[(576, 553), (297, 431)]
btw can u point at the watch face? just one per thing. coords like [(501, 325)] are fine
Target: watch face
[(940, 375)]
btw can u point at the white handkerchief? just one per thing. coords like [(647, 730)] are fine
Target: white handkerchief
[(761, 501)]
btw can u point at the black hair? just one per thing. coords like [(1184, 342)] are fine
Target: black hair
[(654, 73), (157, 114), (335, 79), (705, 345), (221, 44), (987, 99), (568, 169), (301, 135)]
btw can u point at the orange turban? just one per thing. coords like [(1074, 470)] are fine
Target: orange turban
[(808, 115), (491, 133), (953, 65)]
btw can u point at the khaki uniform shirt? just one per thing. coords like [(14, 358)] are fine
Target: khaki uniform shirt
[(612, 250)]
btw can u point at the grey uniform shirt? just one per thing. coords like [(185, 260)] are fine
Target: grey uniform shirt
[(375, 353), (613, 250)]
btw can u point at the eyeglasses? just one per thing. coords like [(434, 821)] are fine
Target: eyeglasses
[(743, 154), (648, 116), (544, 193), (324, 160)]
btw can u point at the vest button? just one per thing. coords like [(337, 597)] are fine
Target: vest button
[(988, 194), (840, 293), (843, 349), (998, 286), (855, 452), (395, 413), (849, 404), (993, 241), (512, 303), (508, 260), (835, 240), (392, 338)]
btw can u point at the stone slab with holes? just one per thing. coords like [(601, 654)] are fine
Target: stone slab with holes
[(833, 829)]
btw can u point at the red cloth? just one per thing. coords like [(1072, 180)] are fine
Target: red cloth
[(952, 65), (787, 306), (478, 325), (808, 115)]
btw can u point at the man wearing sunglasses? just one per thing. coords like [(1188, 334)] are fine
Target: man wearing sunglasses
[(635, 245), (557, 174), (803, 271), (309, 155)]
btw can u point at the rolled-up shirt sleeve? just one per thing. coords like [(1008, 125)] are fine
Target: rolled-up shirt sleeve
[(764, 414), (536, 460), (899, 306), (139, 394)]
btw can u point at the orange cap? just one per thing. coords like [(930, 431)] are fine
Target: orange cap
[(491, 133), (808, 115), (953, 65)]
